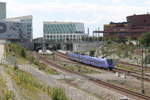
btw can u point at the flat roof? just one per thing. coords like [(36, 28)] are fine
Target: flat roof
[(2, 2), (6, 21), (57, 22), (139, 15), (21, 17)]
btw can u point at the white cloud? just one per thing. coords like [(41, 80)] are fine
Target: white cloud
[(93, 15)]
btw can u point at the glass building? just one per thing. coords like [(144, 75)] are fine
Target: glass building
[(24, 19), (13, 31), (63, 31), (2, 10)]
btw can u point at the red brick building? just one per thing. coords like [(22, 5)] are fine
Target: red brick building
[(135, 26)]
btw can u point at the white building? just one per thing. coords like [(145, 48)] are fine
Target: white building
[(63, 32)]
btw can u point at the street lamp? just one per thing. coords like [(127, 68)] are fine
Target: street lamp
[(43, 45), (54, 52)]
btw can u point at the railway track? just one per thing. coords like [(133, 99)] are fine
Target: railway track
[(99, 82), (134, 74), (132, 64), (129, 72), (124, 63)]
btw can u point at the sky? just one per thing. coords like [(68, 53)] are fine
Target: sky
[(93, 13)]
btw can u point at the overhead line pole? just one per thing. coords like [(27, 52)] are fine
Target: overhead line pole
[(142, 74)]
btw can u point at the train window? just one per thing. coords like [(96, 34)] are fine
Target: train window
[(98, 62), (95, 62), (109, 61)]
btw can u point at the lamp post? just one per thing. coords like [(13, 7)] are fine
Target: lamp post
[(54, 58), (43, 45)]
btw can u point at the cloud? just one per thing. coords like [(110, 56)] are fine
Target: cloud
[(94, 13)]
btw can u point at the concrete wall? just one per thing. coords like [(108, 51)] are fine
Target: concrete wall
[(85, 47), (2, 47)]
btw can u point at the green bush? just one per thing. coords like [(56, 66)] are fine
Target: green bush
[(58, 94), (15, 49), (145, 39), (8, 95), (32, 60), (23, 53)]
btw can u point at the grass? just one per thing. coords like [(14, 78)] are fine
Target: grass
[(58, 94), (21, 54), (8, 95), (47, 69), (24, 56), (24, 79), (4, 93), (31, 89), (77, 68), (28, 86)]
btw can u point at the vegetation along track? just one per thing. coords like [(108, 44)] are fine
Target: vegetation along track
[(128, 72), (98, 82)]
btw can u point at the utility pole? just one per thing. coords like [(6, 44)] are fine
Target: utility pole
[(142, 73), (54, 53), (43, 45), (15, 62)]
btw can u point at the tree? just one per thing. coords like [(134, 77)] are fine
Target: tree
[(145, 39)]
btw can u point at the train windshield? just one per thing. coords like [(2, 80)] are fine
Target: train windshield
[(110, 61)]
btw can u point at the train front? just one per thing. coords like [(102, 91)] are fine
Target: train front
[(111, 64)]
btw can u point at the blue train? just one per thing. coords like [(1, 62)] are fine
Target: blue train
[(94, 61)]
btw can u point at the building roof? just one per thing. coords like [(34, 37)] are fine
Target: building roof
[(139, 15), (2, 2), (7, 21), (21, 17), (55, 22)]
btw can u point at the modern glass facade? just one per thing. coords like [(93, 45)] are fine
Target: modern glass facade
[(63, 31), (25, 19), (63, 28), (13, 30), (29, 26), (2, 10)]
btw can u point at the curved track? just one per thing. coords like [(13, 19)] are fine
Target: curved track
[(99, 82)]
